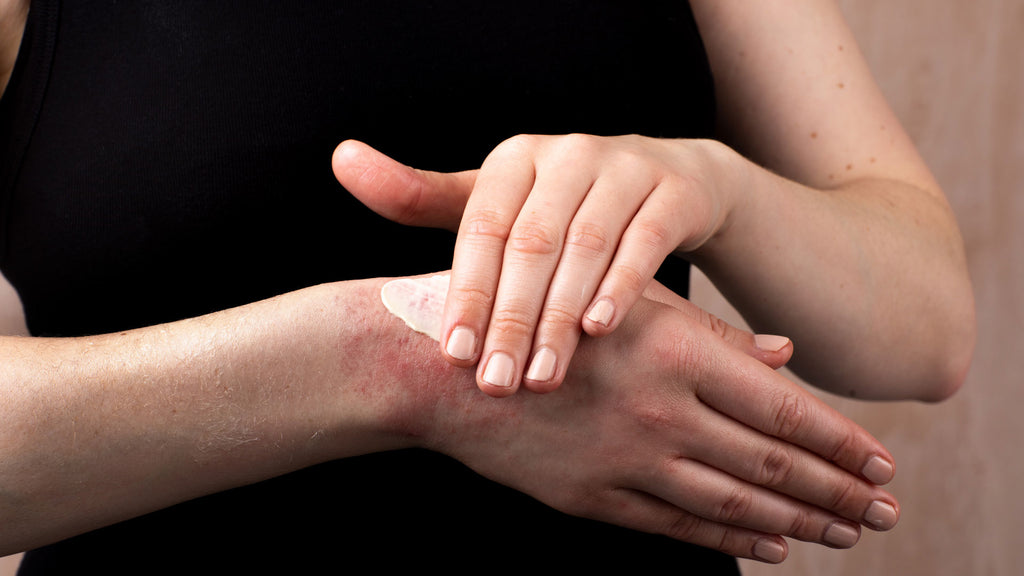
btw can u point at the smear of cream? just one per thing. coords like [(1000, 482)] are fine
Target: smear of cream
[(419, 302)]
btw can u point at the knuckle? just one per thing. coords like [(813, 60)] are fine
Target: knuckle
[(631, 278), (560, 317), (511, 323), (685, 184), (588, 238), (654, 234), (845, 444), (633, 157), (637, 163), (788, 413), (720, 327), (678, 360), (577, 143), (487, 223), (470, 297), (687, 359), (534, 238), (517, 146), (652, 417), (685, 527), (800, 527), (775, 468), (842, 496), (731, 542), (735, 507)]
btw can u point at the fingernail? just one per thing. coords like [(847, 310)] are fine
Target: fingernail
[(770, 342), (878, 470), (841, 535), (542, 367), (602, 312), (461, 343), (881, 515), (499, 370), (768, 550)]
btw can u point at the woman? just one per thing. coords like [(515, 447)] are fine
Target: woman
[(215, 379)]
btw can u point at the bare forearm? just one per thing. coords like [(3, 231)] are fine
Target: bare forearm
[(850, 274), (102, 429)]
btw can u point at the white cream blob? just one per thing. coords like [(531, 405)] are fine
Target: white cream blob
[(419, 302)]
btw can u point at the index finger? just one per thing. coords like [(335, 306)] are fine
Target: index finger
[(501, 188)]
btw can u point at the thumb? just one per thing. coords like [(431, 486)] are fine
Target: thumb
[(774, 351), (400, 193)]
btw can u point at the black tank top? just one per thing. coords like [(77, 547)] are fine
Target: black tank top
[(160, 160)]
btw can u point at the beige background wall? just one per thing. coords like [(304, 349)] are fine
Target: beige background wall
[(953, 71)]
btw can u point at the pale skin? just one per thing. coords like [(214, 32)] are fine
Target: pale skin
[(12, 26), (828, 228), (101, 429), (717, 448)]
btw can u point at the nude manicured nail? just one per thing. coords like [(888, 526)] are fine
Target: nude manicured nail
[(770, 342), (601, 313), (841, 535), (769, 551), (878, 470), (499, 370), (542, 368), (881, 515), (461, 343)]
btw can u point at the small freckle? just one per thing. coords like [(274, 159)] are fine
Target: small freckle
[(831, 176), (840, 85), (814, 134), (872, 160), (849, 166), (840, 47)]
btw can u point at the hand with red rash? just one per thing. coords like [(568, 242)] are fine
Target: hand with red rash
[(674, 424)]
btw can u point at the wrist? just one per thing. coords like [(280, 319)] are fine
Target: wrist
[(397, 375), (733, 181)]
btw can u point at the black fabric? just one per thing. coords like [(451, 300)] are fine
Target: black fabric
[(161, 160)]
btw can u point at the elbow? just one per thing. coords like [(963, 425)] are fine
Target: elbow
[(934, 368), (953, 358), (950, 377)]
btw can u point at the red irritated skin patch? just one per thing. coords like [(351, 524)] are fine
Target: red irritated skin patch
[(439, 386), (419, 302)]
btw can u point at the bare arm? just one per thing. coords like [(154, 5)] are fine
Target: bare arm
[(12, 25), (97, 430), (100, 429), (848, 243), (12, 318)]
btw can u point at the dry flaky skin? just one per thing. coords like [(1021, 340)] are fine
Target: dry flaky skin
[(419, 302)]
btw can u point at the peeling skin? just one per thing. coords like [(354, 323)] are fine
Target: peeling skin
[(419, 302)]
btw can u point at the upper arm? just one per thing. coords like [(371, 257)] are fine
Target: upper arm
[(796, 95), (13, 14), (12, 317)]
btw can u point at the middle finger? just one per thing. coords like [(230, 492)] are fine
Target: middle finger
[(531, 254)]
